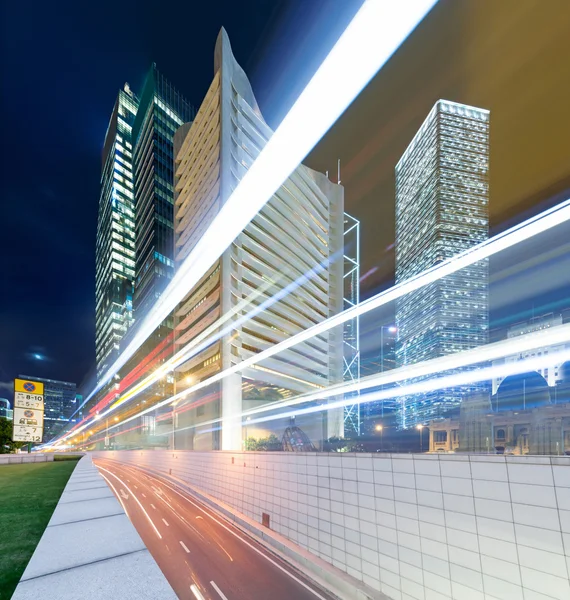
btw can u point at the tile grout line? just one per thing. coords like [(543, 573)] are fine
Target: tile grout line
[(565, 556), (514, 526)]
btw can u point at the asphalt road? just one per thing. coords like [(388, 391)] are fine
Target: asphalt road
[(203, 556)]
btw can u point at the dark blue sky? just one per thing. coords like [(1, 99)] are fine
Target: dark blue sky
[(62, 65)]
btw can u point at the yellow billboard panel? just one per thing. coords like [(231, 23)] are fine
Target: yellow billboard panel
[(28, 387)]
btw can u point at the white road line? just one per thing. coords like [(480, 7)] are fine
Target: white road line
[(136, 488), (307, 587), (165, 522), (143, 495), (196, 592), (222, 595), (134, 498), (184, 546), (116, 494)]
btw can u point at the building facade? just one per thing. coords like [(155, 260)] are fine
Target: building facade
[(60, 402), (552, 373), (525, 416), (442, 196), (298, 232), (162, 110), (115, 247), (5, 410)]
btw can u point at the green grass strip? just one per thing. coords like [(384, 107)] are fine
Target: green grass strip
[(28, 497)]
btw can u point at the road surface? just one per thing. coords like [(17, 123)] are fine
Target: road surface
[(203, 556)]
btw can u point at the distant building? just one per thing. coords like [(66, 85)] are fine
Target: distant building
[(115, 247), (5, 410), (300, 229), (525, 416), (551, 373), (442, 195), (60, 402)]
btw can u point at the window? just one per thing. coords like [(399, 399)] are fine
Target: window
[(440, 436), (500, 434)]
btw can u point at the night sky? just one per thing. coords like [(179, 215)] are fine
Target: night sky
[(63, 63)]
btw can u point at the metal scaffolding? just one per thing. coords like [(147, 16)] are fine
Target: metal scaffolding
[(351, 328)]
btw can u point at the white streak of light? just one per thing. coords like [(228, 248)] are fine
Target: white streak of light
[(488, 352), (373, 35), (509, 238), (431, 385), (136, 500), (524, 343)]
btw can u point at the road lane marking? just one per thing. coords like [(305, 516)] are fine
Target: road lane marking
[(222, 595), (143, 495), (299, 581), (185, 548), (153, 506), (116, 494), (196, 592), (135, 499), (165, 522)]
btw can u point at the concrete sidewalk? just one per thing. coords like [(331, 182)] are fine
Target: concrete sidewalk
[(90, 549)]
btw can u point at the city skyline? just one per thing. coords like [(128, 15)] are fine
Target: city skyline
[(319, 283), (522, 177)]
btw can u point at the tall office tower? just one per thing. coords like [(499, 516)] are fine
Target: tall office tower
[(442, 195), (60, 401), (115, 250), (161, 112), (294, 244)]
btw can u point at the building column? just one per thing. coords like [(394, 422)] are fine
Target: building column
[(231, 413)]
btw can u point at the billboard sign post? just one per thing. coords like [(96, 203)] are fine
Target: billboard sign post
[(28, 411)]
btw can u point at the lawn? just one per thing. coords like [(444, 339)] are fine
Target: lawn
[(28, 497)]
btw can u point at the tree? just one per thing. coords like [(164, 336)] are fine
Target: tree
[(7, 446)]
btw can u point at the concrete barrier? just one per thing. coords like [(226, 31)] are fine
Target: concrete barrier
[(11, 459), (90, 549), (429, 527)]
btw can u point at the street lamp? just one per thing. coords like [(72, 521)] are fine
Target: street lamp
[(381, 430), (391, 329), (421, 428)]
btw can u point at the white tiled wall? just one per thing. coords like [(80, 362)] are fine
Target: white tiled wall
[(421, 527)]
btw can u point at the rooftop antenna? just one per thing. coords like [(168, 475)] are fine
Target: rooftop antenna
[(338, 178)]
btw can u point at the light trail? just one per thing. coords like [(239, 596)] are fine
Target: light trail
[(549, 337), (373, 35), (495, 351), (204, 339), (431, 385), (508, 239)]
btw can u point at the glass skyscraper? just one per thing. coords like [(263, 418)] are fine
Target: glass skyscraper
[(162, 111), (115, 249), (442, 195)]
